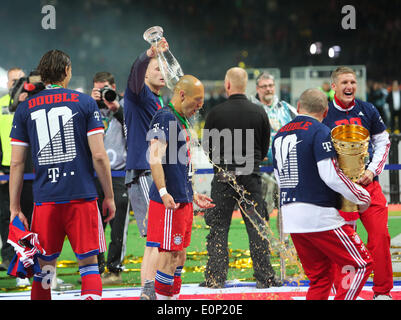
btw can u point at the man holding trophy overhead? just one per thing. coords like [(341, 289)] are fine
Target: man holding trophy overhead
[(151, 71), (346, 110), (141, 101)]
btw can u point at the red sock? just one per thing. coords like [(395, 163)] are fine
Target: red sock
[(177, 286), (177, 281), (91, 288), (41, 287), (163, 285)]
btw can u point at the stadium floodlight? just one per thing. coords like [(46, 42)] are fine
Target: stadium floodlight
[(315, 48), (334, 52)]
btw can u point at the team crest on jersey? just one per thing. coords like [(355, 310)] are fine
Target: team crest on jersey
[(360, 244), (96, 114), (177, 239)]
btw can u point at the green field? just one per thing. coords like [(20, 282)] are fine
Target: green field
[(240, 263)]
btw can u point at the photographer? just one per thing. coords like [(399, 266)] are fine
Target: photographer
[(16, 77), (104, 92)]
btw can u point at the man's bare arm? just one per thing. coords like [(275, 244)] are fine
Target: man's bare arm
[(17, 165), (101, 164)]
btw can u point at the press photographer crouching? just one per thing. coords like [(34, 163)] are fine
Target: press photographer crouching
[(111, 109), (20, 88)]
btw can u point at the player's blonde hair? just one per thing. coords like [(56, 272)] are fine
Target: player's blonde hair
[(341, 70)]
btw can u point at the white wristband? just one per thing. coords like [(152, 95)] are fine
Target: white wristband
[(162, 192)]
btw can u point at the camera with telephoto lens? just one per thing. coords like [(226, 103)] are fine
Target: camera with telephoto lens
[(32, 85), (108, 94)]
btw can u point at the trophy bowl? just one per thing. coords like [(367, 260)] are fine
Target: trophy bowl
[(351, 143), (350, 140), (153, 34)]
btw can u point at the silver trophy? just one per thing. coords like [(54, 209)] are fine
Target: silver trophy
[(168, 64)]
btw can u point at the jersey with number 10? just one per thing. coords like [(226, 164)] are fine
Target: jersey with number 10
[(56, 124), (297, 148)]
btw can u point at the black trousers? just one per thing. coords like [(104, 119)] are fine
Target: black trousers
[(7, 251), (219, 220), (395, 124), (119, 227)]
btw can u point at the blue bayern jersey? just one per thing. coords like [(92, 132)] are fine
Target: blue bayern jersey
[(140, 105), (297, 148), (138, 112), (56, 124), (177, 160), (362, 113)]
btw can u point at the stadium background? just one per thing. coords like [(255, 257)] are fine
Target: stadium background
[(208, 37)]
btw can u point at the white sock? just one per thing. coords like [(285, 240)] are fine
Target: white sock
[(161, 297)]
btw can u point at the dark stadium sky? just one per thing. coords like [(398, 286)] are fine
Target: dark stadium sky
[(207, 37)]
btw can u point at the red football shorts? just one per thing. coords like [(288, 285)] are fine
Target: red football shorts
[(169, 229), (80, 221)]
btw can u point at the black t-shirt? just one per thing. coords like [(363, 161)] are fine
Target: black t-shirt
[(242, 135)]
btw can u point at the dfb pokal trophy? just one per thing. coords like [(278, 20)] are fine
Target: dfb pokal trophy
[(168, 64), (351, 143)]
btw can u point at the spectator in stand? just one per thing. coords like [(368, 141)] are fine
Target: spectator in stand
[(279, 114), (394, 103), (377, 97), (327, 90)]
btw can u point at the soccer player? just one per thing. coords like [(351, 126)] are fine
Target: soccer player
[(171, 195), (141, 101), (305, 167), (65, 131), (345, 109)]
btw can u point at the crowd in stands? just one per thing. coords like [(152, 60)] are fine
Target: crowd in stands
[(208, 36)]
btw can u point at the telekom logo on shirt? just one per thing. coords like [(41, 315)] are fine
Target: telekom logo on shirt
[(327, 146)]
